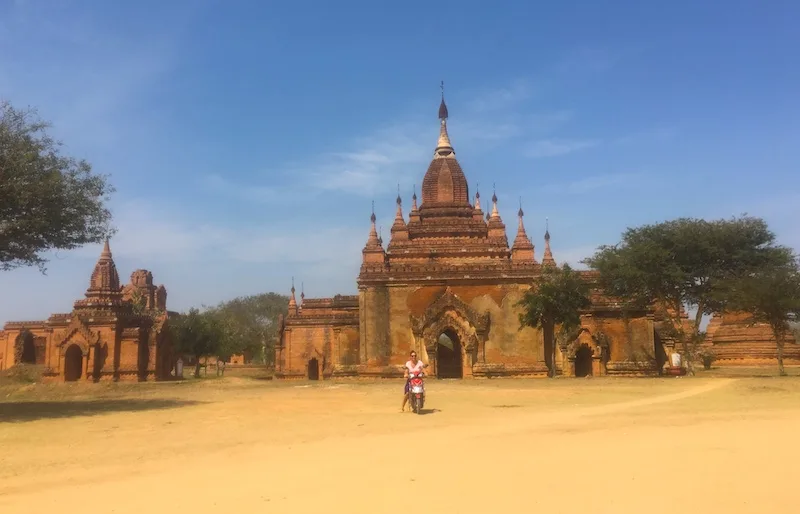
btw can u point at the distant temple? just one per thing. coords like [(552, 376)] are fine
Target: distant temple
[(114, 333), (735, 339), (447, 285)]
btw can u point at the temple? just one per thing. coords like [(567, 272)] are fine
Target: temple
[(735, 339), (114, 333), (447, 285)]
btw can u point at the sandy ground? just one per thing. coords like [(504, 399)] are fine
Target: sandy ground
[(244, 445)]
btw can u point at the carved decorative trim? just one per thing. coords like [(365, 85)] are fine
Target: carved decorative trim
[(77, 327), (451, 312)]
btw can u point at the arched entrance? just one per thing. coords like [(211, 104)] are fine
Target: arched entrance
[(313, 369), (73, 363), (583, 361), (448, 356)]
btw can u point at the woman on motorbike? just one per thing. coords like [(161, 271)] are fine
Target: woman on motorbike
[(412, 365)]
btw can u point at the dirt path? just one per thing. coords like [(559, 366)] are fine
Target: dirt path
[(561, 460)]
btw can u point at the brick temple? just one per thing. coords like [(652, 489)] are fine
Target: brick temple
[(447, 285), (113, 333)]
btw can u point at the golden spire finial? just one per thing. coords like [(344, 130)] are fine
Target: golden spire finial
[(548, 253), (444, 149), (547, 229), (373, 240), (495, 213), (399, 214), (292, 300)]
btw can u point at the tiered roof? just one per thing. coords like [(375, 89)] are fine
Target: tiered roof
[(447, 237)]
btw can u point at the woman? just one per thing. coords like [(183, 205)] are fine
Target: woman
[(412, 366)]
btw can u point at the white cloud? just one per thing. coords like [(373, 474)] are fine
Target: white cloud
[(555, 147)]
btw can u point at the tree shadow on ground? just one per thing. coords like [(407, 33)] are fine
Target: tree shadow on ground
[(15, 412)]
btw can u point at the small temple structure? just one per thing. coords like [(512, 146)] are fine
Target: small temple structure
[(113, 333), (447, 285)]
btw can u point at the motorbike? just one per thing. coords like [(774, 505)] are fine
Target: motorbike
[(416, 392)]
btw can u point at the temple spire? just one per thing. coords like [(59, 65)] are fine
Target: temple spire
[(477, 212), (373, 254), (106, 253), (105, 278), (497, 228), (399, 230), (495, 212), (292, 301), (523, 249), (548, 259), (372, 240), (444, 149), (104, 288)]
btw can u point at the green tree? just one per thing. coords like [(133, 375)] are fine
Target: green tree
[(772, 296), (250, 325), (685, 264), (557, 297), (48, 201), (196, 333)]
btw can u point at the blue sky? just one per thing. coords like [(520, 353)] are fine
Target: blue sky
[(247, 139)]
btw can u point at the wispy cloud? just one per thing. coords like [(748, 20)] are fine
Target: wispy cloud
[(555, 147), (219, 185), (589, 59), (657, 134), (90, 78), (500, 98), (372, 164), (595, 182), (148, 232), (377, 162), (546, 122)]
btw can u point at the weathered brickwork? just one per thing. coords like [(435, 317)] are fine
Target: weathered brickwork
[(114, 333)]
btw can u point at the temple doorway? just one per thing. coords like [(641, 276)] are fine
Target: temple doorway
[(583, 361), (28, 350), (73, 363), (448, 356), (313, 369)]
